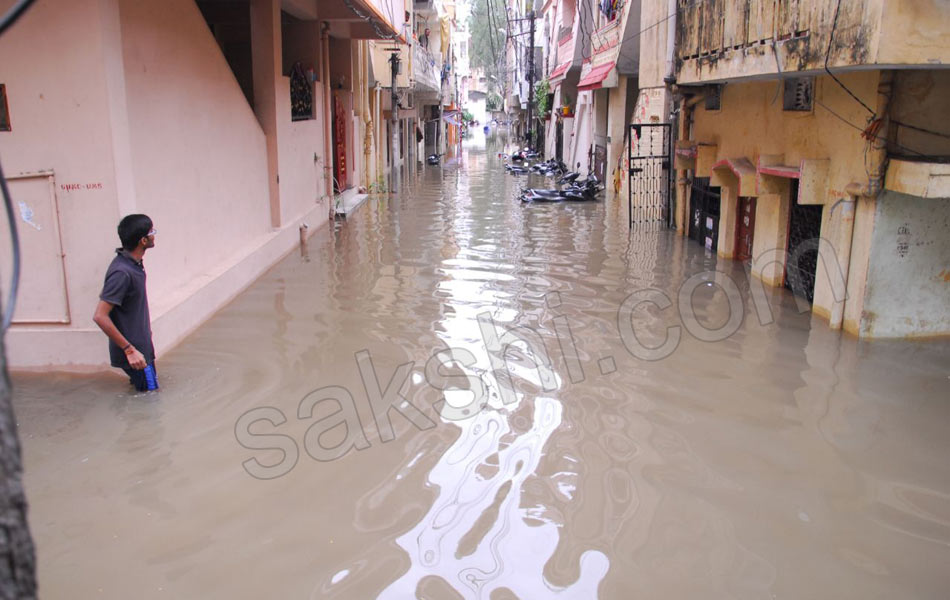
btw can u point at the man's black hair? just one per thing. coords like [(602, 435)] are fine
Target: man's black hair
[(133, 228)]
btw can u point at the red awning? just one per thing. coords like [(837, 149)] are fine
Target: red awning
[(560, 70), (595, 78)]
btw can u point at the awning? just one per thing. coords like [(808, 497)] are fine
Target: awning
[(560, 70), (744, 172), (595, 77)]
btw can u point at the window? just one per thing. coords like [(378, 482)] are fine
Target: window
[(799, 94), (714, 98), (4, 109), (301, 94)]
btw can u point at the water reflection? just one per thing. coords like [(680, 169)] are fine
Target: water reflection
[(784, 461)]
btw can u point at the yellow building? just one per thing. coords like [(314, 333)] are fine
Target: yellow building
[(813, 143)]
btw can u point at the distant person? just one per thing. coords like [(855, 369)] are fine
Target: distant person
[(122, 312)]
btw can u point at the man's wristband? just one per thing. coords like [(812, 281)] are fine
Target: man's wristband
[(127, 346)]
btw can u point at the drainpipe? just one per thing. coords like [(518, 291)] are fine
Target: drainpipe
[(670, 40), (676, 219), (327, 109), (367, 117), (379, 132)]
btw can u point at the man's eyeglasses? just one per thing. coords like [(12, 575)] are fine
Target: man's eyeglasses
[(151, 232)]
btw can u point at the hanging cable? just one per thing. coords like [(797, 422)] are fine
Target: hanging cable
[(920, 129), (13, 14), (371, 21), (869, 132), (15, 242), (637, 34), (831, 38), (8, 20)]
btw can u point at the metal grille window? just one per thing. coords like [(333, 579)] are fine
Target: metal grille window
[(301, 95), (4, 109), (799, 94), (714, 98)]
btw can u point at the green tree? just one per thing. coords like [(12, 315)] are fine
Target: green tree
[(542, 98), (487, 24)]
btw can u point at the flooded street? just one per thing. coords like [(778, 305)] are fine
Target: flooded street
[(778, 460)]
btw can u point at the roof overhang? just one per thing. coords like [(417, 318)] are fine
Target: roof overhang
[(595, 77), (345, 22)]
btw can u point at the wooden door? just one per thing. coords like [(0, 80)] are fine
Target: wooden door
[(745, 228)]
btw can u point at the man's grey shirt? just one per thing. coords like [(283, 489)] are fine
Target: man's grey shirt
[(124, 287)]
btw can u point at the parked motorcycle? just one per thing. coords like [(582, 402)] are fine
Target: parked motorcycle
[(574, 191), (517, 169), (549, 167)]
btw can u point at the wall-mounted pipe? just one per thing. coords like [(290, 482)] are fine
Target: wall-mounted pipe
[(327, 108)]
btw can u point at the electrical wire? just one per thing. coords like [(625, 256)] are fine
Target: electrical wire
[(865, 131), (371, 21), (491, 31), (831, 38), (6, 22), (584, 28), (921, 129), (13, 14), (637, 34), (15, 241)]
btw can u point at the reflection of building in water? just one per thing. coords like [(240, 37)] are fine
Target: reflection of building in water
[(476, 535)]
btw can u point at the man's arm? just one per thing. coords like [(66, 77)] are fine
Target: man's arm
[(104, 321)]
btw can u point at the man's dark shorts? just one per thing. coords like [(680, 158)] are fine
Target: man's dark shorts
[(137, 378)]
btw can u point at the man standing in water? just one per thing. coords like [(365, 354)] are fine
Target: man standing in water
[(122, 312)]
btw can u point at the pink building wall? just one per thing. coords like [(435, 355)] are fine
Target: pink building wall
[(198, 152), (61, 108), (134, 108)]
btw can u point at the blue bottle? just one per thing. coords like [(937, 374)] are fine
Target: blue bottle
[(151, 380)]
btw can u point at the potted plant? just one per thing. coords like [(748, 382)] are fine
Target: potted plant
[(567, 110)]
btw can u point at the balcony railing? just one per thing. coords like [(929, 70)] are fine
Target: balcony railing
[(426, 68)]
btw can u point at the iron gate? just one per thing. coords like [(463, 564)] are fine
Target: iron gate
[(651, 175), (804, 229), (704, 207)]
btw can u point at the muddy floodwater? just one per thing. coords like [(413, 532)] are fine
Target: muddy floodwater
[(586, 445)]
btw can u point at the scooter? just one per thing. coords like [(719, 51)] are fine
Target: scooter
[(517, 169), (576, 191), (565, 179), (549, 167)]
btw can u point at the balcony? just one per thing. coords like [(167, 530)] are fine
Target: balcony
[(424, 7), (738, 39), (426, 69)]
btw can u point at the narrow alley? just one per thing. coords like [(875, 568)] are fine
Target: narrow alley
[(451, 394)]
